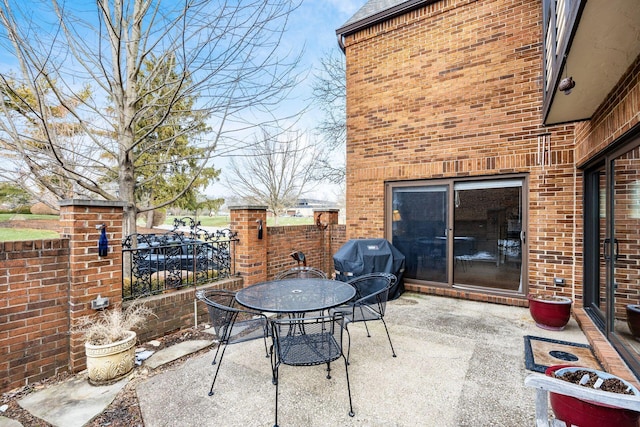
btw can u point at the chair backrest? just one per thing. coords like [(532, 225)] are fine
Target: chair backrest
[(221, 312), (301, 272), (373, 290), (308, 341)]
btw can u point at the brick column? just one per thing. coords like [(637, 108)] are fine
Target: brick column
[(251, 252), (89, 274), (325, 216)]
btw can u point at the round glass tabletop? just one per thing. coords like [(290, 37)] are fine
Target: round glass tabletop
[(295, 295)]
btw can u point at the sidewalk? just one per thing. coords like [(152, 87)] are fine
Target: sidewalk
[(460, 363)]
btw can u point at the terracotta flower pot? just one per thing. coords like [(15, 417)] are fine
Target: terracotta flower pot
[(110, 362), (633, 319), (574, 411), (550, 312)]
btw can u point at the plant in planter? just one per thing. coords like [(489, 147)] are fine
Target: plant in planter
[(110, 342), (550, 312), (585, 413)]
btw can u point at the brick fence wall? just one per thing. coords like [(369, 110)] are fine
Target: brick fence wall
[(318, 242), (34, 314), (46, 284)]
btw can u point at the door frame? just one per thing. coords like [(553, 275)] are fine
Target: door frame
[(604, 317), (450, 182)]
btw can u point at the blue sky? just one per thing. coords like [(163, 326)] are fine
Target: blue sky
[(312, 25)]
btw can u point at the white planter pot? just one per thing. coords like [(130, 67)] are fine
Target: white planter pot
[(110, 362)]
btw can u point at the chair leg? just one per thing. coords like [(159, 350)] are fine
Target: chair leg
[(274, 366), (388, 336), (346, 370), (367, 328), (217, 369), (346, 328), (364, 321), (275, 377), (328, 370), (266, 349), (215, 356)]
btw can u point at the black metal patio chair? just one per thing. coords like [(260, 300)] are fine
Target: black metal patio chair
[(301, 272), (232, 323), (308, 341), (372, 294)]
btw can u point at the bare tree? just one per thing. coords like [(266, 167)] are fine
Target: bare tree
[(330, 94), (274, 172), (91, 88)]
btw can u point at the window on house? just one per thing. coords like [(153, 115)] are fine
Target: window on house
[(460, 233)]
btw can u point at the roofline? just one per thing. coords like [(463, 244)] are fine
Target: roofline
[(378, 17)]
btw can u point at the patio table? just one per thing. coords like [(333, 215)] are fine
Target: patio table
[(299, 295)]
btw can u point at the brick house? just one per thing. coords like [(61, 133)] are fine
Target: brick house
[(464, 152)]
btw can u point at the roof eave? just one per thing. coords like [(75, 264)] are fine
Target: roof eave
[(384, 15)]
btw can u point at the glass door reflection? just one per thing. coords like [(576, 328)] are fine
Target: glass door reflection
[(622, 249), (488, 241)]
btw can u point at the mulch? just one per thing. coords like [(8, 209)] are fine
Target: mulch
[(124, 411)]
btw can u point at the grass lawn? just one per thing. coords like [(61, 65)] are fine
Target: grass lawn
[(22, 234), (14, 234), (14, 216)]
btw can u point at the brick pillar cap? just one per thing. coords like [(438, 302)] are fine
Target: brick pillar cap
[(327, 210), (98, 203), (248, 207)]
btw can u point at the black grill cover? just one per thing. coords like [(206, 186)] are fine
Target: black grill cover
[(363, 256)]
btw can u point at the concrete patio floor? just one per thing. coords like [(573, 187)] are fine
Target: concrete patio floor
[(460, 363)]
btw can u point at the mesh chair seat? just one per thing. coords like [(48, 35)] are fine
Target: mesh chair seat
[(247, 329), (359, 313), (307, 341), (309, 349)]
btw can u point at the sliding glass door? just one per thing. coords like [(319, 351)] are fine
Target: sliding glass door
[(419, 230), (462, 233), (488, 240), (612, 248)]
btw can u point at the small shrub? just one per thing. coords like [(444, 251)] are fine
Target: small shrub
[(111, 325)]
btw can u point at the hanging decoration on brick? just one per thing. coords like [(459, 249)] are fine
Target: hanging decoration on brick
[(543, 155)]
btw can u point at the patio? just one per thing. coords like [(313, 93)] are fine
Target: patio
[(460, 363)]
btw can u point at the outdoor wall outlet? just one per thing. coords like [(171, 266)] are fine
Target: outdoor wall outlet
[(99, 303), (558, 281)]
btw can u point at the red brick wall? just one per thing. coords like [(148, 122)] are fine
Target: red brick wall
[(45, 285), (34, 314), (250, 251), (175, 310), (454, 89), (317, 243)]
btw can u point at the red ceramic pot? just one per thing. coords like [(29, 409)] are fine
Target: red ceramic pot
[(633, 319), (552, 313), (584, 413)]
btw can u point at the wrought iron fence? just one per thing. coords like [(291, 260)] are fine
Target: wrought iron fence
[(188, 255)]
